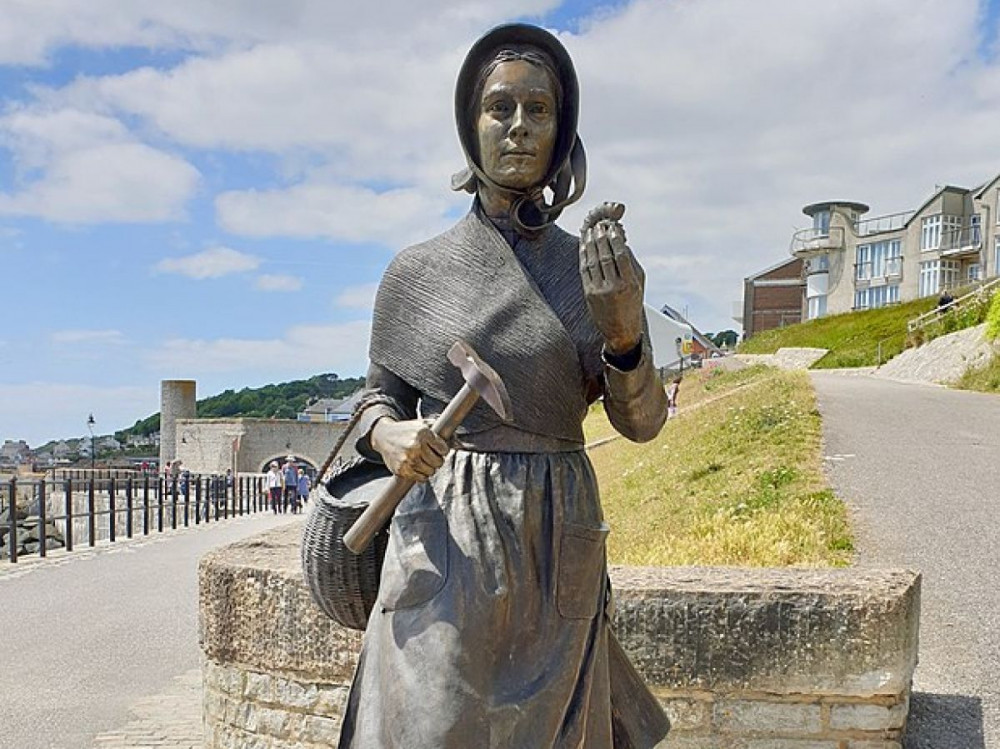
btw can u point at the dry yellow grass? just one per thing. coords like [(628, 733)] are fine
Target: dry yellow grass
[(736, 479)]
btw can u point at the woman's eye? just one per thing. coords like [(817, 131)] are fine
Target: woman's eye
[(497, 106)]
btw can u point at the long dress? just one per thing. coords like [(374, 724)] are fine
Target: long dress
[(490, 629)]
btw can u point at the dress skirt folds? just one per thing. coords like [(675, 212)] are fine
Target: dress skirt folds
[(490, 629)]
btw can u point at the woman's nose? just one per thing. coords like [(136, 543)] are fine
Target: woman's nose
[(518, 123)]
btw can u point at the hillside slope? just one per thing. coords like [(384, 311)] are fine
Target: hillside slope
[(852, 338), (282, 401)]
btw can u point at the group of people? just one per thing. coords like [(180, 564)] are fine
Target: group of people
[(287, 486)]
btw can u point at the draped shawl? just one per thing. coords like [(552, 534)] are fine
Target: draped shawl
[(468, 284)]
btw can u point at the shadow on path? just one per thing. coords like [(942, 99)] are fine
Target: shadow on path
[(944, 721)]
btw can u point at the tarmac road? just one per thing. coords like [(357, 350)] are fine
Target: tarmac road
[(85, 635), (919, 467)]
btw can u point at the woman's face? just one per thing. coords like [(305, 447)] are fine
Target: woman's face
[(517, 124)]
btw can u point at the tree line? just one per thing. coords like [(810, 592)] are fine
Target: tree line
[(282, 401)]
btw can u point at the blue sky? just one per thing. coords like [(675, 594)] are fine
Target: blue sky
[(196, 191)]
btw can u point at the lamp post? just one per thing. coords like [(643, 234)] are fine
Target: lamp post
[(93, 452)]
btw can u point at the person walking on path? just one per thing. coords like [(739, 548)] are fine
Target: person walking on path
[(304, 485), (290, 476), (274, 486), (672, 392)]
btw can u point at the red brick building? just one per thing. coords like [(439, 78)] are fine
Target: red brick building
[(773, 297)]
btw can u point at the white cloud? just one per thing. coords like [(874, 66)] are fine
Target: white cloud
[(50, 410), (96, 337), (715, 121), (81, 167), (278, 283), (29, 31), (357, 297), (214, 262), (337, 212), (303, 349)]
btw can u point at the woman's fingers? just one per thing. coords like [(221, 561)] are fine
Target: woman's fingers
[(606, 254), (590, 266), (624, 260)]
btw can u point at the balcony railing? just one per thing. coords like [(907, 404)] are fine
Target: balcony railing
[(886, 270), (891, 222), (807, 242), (958, 241)]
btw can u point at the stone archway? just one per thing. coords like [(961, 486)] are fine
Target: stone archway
[(301, 460)]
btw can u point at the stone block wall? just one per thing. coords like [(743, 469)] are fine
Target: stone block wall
[(740, 658)]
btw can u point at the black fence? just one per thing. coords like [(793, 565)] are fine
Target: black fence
[(38, 516)]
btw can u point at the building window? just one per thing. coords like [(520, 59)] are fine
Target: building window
[(930, 233), (818, 264), (996, 256), (879, 260), (863, 265), (817, 307), (936, 275), (821, 222), (876, 296), (975, 272), (975, 229), (935, 228)]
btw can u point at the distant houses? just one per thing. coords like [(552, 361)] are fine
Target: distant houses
[(331, 409)]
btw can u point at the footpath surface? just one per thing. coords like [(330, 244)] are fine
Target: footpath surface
[(101, 646), (919, 467)]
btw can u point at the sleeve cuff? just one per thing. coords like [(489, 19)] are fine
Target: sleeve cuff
[(624, 362)]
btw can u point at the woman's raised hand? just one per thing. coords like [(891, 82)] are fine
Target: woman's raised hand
[(613, 280), (409, 448)]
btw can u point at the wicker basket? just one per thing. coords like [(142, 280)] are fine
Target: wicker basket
[(344, 585)]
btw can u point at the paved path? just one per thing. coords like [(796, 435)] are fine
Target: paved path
[(76, 673), (919, 466)]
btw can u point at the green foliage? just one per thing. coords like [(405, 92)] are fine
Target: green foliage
[(973, 312), (725, 338), (993, 318), (985, 379), (282, 401)]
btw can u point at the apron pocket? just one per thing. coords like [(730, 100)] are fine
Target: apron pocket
[(581, 570), (416, 561)]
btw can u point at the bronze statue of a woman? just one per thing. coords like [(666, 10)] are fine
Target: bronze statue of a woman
[(490, 629)]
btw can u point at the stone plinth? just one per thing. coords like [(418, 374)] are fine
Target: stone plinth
[(741, 658)]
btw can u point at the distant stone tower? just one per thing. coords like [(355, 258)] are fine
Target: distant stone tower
[(177, 401)]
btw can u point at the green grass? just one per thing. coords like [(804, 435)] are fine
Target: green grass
[(736, 479), (852, 337), (985, 379)]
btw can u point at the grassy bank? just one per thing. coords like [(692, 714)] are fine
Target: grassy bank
[(735, 480), (985, 379), (852, 338)]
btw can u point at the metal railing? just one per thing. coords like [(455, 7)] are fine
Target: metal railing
[(890, 222), (975, 295), (892, 268), (47, 515), (968, 238), (817, 240)]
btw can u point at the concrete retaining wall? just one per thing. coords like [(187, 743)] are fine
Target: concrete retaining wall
[(741, 658)]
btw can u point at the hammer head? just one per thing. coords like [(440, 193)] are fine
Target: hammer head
[(480, 377)]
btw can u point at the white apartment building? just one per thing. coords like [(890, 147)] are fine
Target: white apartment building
[(852, 262)]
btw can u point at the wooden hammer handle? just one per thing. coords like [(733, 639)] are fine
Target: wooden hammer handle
[(380, 511)]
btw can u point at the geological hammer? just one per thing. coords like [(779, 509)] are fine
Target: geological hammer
[(480, 382)]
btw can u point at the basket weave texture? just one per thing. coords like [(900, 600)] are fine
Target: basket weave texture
[(344, 585)]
